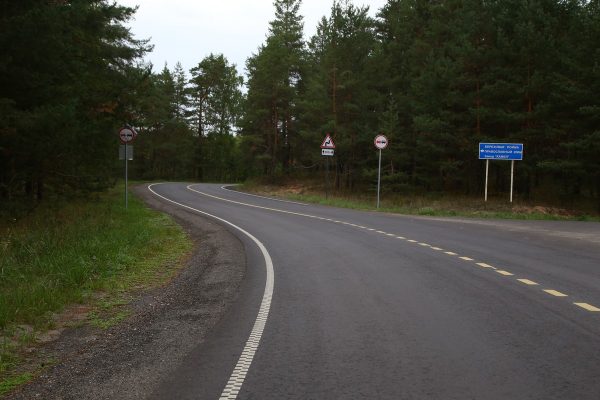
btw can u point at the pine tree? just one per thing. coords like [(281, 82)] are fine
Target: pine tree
[(67, 74), (180, 93), (216, 101), (341, 94), (275, 78)]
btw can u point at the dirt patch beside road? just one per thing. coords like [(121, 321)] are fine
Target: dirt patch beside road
[(127, 360)]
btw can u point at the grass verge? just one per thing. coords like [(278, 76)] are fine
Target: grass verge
[(432, 205), (89, 252)]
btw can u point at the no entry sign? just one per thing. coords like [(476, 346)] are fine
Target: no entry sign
[(127, 134), (381, 142)]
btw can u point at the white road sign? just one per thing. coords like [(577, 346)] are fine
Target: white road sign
[(327, 152), (381, 142), (127, 134)]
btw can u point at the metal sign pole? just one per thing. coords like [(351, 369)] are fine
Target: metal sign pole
[(379, 178), (512, 174), (326, 178), (487, 167), (126, 199)]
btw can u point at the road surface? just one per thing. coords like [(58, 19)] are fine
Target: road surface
[(345, 304)]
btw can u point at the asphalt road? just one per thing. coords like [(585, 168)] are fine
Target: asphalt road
[(377, 306)]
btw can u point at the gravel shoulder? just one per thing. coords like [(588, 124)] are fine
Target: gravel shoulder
[(128, 360)]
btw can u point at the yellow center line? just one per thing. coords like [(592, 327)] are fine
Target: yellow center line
[(528, 282), (552, 292), (588, 307), (555, 293)]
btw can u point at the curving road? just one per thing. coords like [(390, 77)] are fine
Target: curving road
[(344, 304)]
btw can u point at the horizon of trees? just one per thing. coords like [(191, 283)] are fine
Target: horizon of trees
[(436, 77)]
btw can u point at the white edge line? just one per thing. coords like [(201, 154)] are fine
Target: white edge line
[(234, 384), (224, 187)]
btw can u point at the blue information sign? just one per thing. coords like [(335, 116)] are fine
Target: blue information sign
[(500, 151)]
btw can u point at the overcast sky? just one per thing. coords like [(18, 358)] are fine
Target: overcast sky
[(189, 30)]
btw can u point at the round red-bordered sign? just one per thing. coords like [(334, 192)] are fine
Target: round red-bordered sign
[(127, 134), (381, 142)]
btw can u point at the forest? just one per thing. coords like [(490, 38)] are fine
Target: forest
[(436, 77)]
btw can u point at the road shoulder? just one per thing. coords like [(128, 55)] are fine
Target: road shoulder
[(126, 361)]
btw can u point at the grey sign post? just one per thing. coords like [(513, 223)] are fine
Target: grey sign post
[(500, 151), (381, 143), (327, 149), (126, 134)]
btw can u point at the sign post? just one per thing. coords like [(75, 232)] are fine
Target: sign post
[(327, 149), (487, 169), (127, 134), (381, 143), (500, 151)]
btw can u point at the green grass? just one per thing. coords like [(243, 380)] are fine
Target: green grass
[(438, 205), (83, 252), (9, 384)]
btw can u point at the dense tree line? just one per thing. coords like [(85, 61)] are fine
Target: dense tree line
[(71, 74), (68, 74), (437, 77), (187, 125)]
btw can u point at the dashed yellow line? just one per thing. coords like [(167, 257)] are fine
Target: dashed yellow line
[(555, 293), (588, 307), (528, 282)]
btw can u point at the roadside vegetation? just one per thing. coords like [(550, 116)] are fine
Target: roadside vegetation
[(91, 253), (436, 78), (432, 204)]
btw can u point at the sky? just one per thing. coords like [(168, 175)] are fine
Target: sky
[(188, 30)]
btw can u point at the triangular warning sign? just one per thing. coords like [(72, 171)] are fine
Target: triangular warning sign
[(328, 143)]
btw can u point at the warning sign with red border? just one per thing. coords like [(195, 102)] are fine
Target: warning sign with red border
[(328, 143)]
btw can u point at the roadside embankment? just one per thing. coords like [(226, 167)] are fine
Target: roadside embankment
[(432, 204), (77, 264)]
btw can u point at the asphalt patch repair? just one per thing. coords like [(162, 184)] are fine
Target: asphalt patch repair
[(126, 361)]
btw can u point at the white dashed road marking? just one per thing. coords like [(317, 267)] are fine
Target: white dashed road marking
[(243, 365)]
